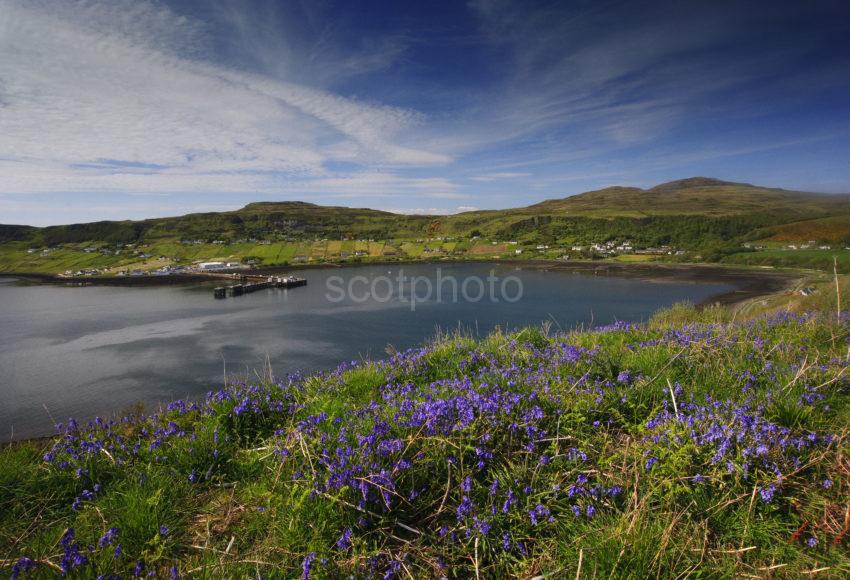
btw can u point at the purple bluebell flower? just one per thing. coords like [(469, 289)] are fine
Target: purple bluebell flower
[(307, 565), (23, 564), (344, 542)]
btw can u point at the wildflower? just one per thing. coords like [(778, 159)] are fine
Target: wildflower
[(72, 558), (23, 564), (108, 537), (464, 508), (163, 531), (650, 462), (466, 485), (483, 526), (509, 502), (494, 487), (392, 569), (307, 565), (539, 511), (827, 483), (812, 542), (344, 542), (767, 493), (521, 547)]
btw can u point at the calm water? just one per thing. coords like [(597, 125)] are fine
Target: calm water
[(70, 351)]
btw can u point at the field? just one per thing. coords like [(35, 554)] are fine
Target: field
[(635, 258), (698, 444), (815, 259), (485, 249), (14, 256)]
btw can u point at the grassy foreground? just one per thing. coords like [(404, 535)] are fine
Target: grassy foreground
[(686, 446)]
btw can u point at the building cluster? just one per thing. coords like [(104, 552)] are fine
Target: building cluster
[(810, 245), (213, 266), (82, 272), (612, 248)]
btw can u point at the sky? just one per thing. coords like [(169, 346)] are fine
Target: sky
[(126, 109)]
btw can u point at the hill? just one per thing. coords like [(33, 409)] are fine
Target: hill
[(697, 196), (705, 217), (255, 219), (690, 445)]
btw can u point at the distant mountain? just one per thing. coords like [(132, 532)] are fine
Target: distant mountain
[(746, 207), (697, 196)]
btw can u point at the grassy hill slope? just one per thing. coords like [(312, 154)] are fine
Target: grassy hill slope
[(832, 229), (688, 446), (697, 196), (256, 219), (707, 217)]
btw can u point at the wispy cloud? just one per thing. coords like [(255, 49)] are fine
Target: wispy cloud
[(433, 210), (499, 175), (81, 82)]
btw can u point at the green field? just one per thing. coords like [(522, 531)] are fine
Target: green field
[(816, 259)]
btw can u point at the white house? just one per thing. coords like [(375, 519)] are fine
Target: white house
[(212, 266)]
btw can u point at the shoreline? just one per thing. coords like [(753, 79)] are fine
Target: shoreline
[(750, 283)]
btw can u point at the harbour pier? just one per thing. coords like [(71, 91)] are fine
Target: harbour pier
[(249, 284)]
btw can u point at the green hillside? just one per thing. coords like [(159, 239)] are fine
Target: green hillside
[(702, 219), (698, 196), (834, 229)]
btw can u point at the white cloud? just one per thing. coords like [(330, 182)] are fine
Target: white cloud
[(119, 96), (376, 184), (499, 175), (437, 211)]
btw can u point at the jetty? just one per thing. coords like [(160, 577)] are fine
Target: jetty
[(249, 284)]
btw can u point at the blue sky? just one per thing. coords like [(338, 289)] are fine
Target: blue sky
[(131, 109)]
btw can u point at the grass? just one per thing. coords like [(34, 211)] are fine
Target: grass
[(696, 444), (815, 259), (631, 258)]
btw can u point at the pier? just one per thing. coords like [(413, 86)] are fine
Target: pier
[(249, 284)]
